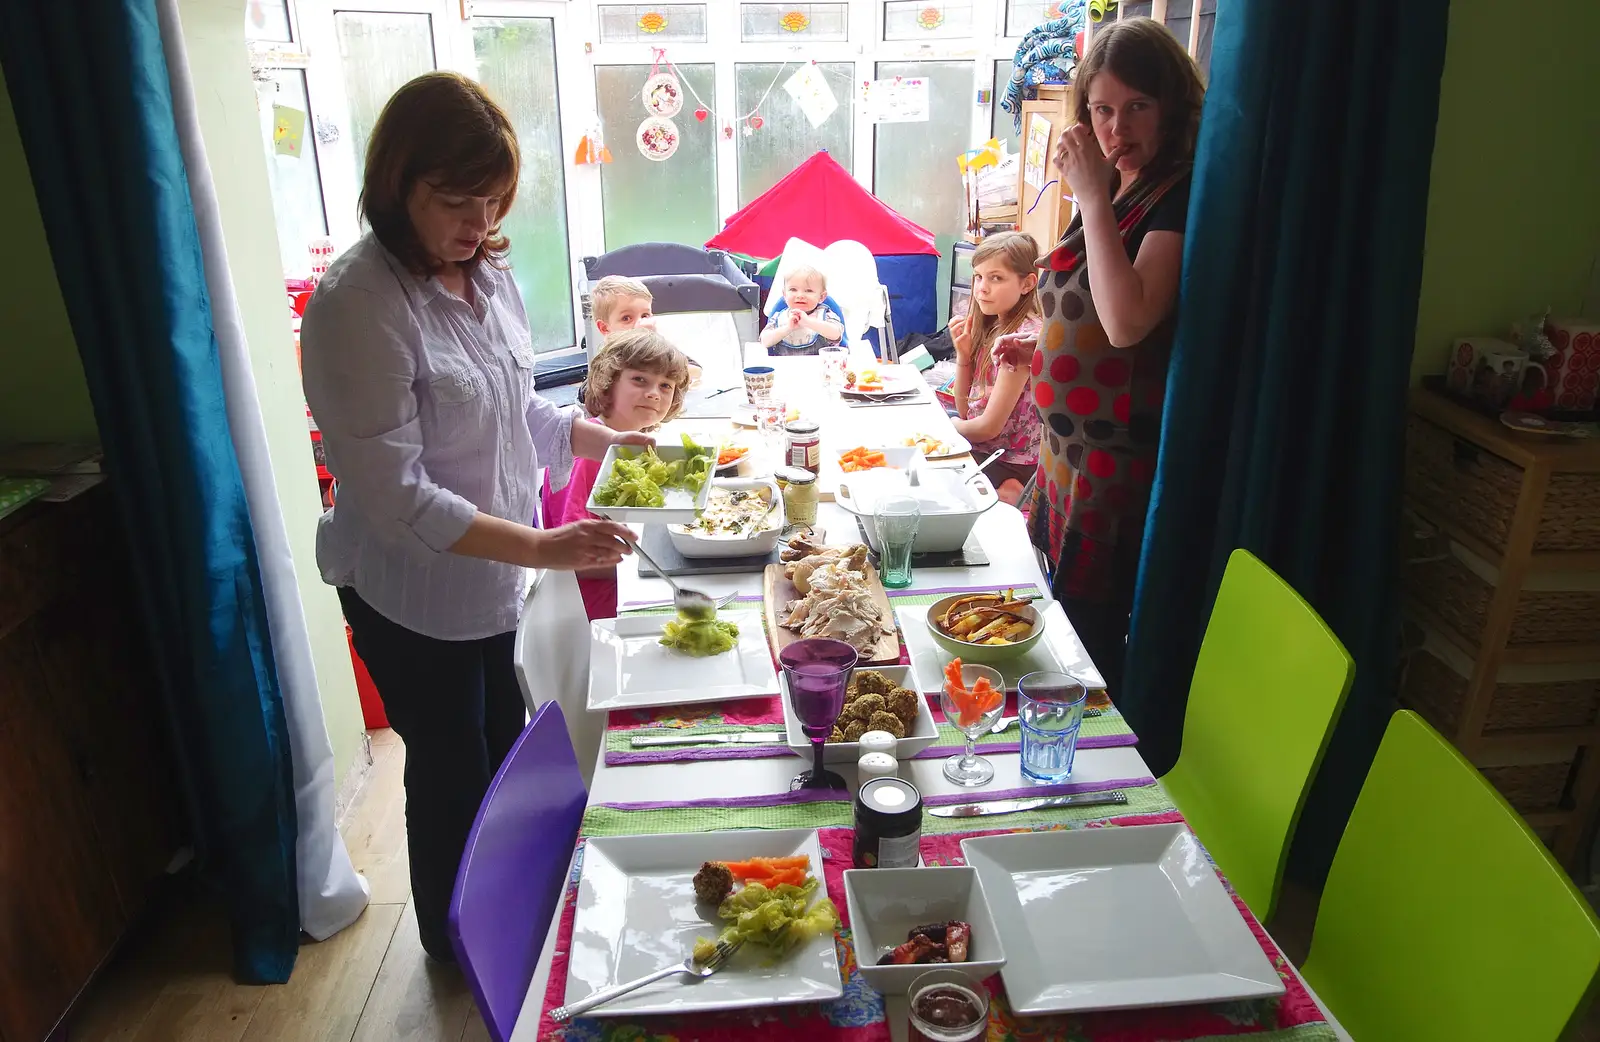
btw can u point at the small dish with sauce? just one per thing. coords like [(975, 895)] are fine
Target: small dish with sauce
[(949, 1006)]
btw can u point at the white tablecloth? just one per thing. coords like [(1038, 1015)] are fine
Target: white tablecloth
[(1012, 562)]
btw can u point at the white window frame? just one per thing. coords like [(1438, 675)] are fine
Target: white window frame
[(579, 51), (864, 49)]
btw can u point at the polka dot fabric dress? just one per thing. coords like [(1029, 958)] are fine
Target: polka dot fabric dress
[(1100, 409)]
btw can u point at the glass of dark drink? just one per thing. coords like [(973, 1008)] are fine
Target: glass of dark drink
[(815, 671)]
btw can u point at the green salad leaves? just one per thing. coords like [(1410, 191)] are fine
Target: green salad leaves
[(638, 478), (699, 636), (776, 920)]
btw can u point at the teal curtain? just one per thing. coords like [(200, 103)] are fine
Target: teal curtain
[(88, 82), (1286, 401)]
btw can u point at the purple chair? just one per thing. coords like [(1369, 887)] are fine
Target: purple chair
[(514, 867)]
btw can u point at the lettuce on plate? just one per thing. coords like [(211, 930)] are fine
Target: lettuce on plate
[(638, 478), (775, 920)]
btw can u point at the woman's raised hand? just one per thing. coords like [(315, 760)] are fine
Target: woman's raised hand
[(582, 544), (1086, 170), (1015, 349)]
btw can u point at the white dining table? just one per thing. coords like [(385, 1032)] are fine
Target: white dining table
[(1012, 562)]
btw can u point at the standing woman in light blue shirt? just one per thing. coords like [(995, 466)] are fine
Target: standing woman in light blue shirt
[(418, 366)]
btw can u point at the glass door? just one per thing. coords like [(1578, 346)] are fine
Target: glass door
[(515, 58), (362, 51)]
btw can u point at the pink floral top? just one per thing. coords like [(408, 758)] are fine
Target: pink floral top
[(1019, 438)]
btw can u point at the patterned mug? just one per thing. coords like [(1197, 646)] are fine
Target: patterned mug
[(1575, 369)]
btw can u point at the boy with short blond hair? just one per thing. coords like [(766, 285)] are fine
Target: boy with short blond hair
[(619, 303)]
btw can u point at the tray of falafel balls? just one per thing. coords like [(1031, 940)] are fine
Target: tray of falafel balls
[(881, 704)]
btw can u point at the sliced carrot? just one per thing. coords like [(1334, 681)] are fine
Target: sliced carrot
[(750, 872), (986, 696), (952, 676)]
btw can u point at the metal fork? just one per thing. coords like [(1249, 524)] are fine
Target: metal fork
[(698, 970), (1004, 723)]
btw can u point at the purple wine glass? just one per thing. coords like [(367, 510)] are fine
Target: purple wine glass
[(816, 671)]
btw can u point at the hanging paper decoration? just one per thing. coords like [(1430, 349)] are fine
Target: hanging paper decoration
[(930, 17), (657, 138), (812, 93), (700, 114), (652, 22), (592, 148), (1055, 10), (727, 131), (663, 95), (756, 122), (794, 21)]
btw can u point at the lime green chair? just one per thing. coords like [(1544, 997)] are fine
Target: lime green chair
[(1444, 919), (1267, 689)]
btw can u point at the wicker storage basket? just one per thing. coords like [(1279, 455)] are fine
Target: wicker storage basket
[(1531, 787), (1478, 490), (1452, 586), (1435, 685)]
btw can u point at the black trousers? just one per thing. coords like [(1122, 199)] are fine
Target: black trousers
[(457, 707)]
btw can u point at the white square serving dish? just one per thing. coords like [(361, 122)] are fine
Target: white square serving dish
[(922, 735), (681, 506), (1116, 918)]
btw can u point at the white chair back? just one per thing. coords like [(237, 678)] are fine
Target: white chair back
[(552, 660), (711, 338)]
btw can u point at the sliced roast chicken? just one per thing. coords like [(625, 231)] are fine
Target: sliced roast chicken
[(835, 601)]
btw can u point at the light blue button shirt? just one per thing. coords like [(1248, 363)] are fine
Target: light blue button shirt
[(428, 415)]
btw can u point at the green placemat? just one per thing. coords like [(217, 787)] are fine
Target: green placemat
[(14, 492), (630, 820)]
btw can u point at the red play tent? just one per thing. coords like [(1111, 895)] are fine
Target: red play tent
[(821, 203)]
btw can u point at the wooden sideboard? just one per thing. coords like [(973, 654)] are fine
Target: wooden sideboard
[(1501, 587), (89, 809)]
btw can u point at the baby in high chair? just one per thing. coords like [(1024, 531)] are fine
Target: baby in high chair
[(804, 324)]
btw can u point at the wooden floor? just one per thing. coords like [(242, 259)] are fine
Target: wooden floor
[(370, 982)]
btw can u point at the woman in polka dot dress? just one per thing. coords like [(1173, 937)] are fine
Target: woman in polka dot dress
[(1109, 299)]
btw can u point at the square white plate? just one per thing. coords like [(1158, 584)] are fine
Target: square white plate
[(637, 913), (924, 734), (1059, 649), (1114, 919), (629, 669)]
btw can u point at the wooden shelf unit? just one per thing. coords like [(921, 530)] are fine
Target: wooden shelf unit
[(1509, 574), (1045, 214)]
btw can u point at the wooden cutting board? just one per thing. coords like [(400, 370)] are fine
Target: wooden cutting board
[(777, 590)]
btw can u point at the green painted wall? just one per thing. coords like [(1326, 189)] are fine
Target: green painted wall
[(1514, 207), (43, 396)]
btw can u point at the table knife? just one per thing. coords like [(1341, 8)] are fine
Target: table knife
[(735, 738), (991, 807)]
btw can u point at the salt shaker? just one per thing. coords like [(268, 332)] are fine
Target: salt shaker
[(876, 742), (876, 765)]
